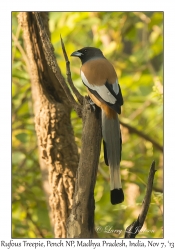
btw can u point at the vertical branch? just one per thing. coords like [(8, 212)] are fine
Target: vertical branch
[(68, 73), (135, 227), (80, 223)]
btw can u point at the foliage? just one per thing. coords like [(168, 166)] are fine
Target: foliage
[(133, 42)]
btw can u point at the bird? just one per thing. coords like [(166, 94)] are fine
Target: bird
[(101, 81)]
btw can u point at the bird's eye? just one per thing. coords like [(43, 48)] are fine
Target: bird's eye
[(85, 50)]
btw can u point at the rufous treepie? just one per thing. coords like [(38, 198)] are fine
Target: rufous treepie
[(100, 78)]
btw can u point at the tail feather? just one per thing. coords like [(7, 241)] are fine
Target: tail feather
[(105, 153), (112, 154), (117, 196)]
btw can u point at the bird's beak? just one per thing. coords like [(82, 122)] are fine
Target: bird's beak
[(76, 53)]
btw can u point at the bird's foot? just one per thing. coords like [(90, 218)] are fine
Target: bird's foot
[(92, 104)]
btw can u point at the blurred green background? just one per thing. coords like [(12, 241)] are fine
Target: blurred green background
[(133, 42)]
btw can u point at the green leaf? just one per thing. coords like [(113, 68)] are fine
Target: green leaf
[(23, 137)]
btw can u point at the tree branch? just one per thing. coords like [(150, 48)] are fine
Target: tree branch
[(141, 134), (18, 45), (80, 223), (68, 73), (135, 227), (51, 61), (35, 224)]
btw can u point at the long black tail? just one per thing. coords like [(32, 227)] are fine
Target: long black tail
[(112, 152)]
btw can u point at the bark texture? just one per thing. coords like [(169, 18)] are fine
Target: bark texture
[(81, 220), (57, 148)]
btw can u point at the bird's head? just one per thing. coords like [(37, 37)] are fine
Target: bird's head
[(87, 53)]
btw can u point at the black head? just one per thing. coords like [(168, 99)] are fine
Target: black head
[(87, 53)]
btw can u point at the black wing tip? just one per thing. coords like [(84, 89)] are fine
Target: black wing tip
[(105, 153), (117, 196)]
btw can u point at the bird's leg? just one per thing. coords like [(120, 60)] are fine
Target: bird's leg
[(92, 104)]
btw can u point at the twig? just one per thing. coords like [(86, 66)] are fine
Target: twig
[(157, 189), (23, 100), (51, 61), (27, 156), (141, 134), (68, 73), (139, 110), (21, 50), (35, 224), (135, 227), (17, 36)]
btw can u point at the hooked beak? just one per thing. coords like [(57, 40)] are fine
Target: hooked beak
[(76, 53)]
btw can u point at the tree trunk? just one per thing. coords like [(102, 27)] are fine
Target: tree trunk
[(57, 149)]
